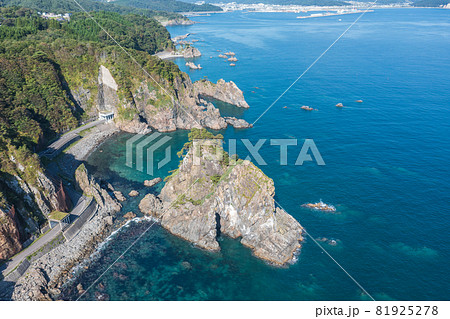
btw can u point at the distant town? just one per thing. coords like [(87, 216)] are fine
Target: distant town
[(261, 7)]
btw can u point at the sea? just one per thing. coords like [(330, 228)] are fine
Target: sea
[(386, 163)]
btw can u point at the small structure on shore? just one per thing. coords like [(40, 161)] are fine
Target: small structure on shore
[(105, 115), (59, 218)]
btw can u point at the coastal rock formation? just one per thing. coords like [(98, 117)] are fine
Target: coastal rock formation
[(133, 193), (91, 187), (129, 215), (237, 123), (9, 236), (191, 52), (151, 205), (152, 182), (166, 106), (210, 195), (119, 196), (135, 126), (192, 66), (224, 91)]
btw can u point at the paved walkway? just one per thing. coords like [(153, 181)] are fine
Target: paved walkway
[(41, 242), (54, 149)]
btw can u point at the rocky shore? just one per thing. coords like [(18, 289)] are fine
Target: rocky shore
[(45, 277)]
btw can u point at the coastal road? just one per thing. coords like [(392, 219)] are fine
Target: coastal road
[(57, 146), (41, 242), (15, 261)]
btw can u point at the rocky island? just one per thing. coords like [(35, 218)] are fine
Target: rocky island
[(212, 194)]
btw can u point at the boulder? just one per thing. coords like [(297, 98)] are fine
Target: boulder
[(133, 193), (129, 215), (152, 182)]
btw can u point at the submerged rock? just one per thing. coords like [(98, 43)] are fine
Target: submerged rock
[(133, 193), (129, 215)]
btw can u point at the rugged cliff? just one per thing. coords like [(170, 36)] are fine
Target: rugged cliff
[(45, 276), (25, 186), (165, 105), (9, 235), (210, 194)]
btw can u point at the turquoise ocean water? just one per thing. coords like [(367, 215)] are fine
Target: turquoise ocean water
[(386, 162)]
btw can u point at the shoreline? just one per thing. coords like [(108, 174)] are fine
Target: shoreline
[(52, 270), (165, 55)]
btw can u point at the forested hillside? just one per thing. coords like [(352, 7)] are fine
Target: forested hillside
[(148, 8), (43, 65)]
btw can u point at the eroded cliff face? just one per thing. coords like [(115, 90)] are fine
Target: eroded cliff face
[(164, 106), (9, 235), (208, 195)]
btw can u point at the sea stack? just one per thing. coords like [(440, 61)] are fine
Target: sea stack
[(212, 194)]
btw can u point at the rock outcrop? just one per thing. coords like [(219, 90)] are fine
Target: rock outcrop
[(135, 126), (210, 195), (9, 235), (91, 187), (237, 123), (152, 182), (191, 52), (224, 91)]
